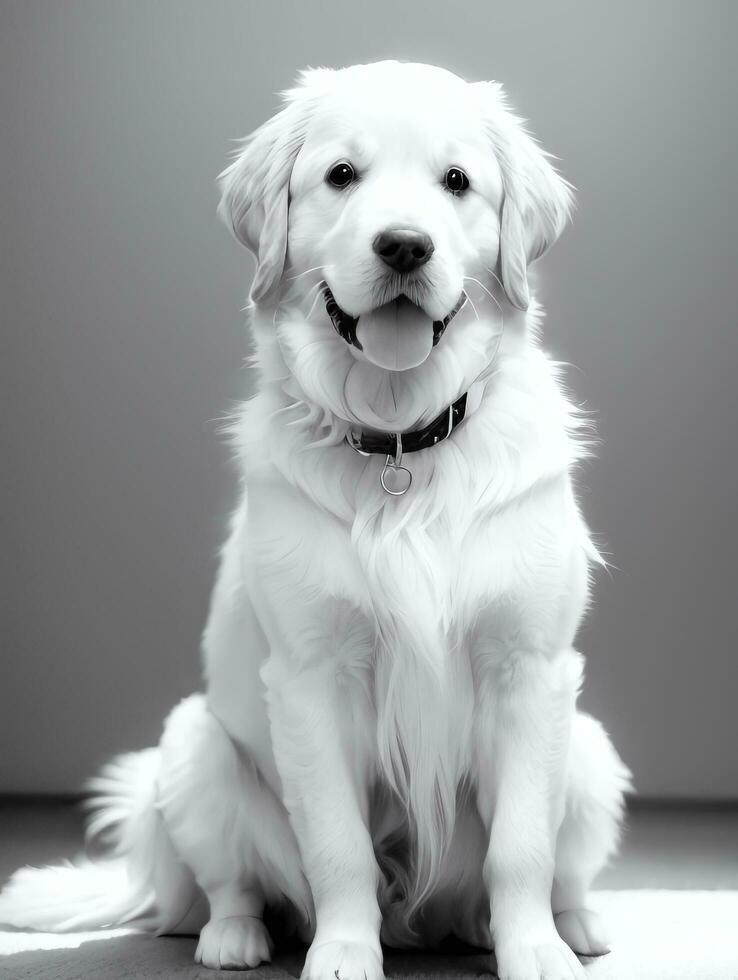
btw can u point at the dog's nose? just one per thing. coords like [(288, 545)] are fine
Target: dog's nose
[(403, 249)]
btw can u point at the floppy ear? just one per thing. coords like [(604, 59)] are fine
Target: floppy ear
[(536, 201), (255, 187)]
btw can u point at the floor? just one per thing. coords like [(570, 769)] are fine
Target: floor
[(691, 852)]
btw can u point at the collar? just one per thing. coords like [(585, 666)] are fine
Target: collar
[(395, 478), (397, 443)]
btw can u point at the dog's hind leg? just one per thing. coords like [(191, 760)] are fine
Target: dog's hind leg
[(232, 832), (596, 782)]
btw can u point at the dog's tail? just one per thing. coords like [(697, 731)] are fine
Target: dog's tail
[(120, 888)]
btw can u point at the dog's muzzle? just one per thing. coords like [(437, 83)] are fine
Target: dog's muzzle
[(345, 324)]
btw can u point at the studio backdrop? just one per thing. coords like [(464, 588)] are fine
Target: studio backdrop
[(123, 344)]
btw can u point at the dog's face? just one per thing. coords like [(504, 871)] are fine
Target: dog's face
[(396, 196), (383, 195)]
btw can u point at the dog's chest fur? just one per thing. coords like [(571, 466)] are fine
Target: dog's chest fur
[(410, 603), (490, 515), (419, 590)]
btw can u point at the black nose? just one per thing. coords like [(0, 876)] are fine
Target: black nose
[(403, 249)]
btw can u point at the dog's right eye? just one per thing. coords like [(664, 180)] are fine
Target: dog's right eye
[(341, 174)]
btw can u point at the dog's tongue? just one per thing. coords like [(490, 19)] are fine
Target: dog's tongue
[(396, 336)]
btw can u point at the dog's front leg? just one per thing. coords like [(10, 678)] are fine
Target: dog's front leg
[(324, 783), (524, 708)]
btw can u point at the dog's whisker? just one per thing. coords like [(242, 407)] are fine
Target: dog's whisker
[(315, 299), (471, 303), (494, 276), (483, 287), (292, 292), (315, 268), (499, 307)]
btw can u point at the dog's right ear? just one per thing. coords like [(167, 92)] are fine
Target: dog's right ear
[(537, 200), (255, 187)]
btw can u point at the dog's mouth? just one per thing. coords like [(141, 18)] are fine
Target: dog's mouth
[(398, 335)]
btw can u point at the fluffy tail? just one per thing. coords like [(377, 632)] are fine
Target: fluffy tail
[(119, 889), (70, 897)]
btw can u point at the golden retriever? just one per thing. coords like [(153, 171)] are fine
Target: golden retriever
[(388, 745)]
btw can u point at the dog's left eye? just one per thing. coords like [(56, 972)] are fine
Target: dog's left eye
[(341, 174), (456, 180)]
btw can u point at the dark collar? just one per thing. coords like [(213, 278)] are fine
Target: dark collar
[(395, 444)]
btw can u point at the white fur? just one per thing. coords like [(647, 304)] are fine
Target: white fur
[(389, 737)]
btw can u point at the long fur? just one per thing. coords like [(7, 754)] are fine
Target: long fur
[(87, 894), (389, 728)]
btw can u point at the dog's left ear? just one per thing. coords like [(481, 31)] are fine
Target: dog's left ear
[(255, 188), (537, 201)]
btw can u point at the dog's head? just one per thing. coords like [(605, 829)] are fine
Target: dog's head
[(390, 189)]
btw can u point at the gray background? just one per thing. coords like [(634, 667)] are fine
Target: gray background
[(122, 343)]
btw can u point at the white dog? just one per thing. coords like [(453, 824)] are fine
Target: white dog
[(388, 744)]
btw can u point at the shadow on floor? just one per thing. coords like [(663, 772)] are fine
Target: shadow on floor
[(144, 957)]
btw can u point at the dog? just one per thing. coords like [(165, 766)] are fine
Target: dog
[(388, 747)]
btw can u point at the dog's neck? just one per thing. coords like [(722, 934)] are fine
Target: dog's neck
[(518, 429), (315, 367), (410, 441)]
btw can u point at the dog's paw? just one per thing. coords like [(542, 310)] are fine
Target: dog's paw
[(583, 931), (238, 942), (343, 961), (551, 960)]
